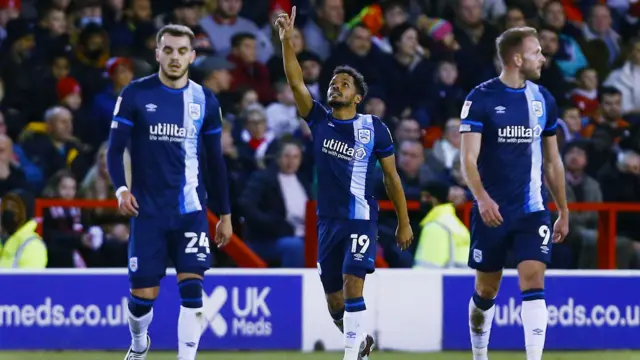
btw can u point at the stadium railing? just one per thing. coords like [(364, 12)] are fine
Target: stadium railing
[(607, 226), (236, 249)]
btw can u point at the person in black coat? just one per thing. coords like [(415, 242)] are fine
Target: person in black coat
[(274, 203)]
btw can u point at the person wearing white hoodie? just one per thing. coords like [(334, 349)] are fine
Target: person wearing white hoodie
[(627, 80)]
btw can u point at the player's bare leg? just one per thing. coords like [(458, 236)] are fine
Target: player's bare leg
[(534, 308), (358, 344), (481, 312), (190, 321), (139, 317)]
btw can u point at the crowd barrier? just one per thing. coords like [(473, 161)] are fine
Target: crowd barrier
[(244, 257), (252, 309)]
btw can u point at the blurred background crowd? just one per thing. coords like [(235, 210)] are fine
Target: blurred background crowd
[(63, 64)]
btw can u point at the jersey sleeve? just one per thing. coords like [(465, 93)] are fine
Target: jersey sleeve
[(317, 114), (473, 114), (212, 123), (552, 114), (124, 111), (383, 146)]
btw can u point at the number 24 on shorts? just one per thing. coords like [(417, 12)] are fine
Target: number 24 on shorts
[(201, 239), (359, 240)]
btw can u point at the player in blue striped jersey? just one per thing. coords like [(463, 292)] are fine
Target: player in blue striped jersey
[(508, 148), (347, 146), (168, 120)]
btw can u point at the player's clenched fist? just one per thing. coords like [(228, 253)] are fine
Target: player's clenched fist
[(490, 212), (404, 236), (127, 203), (224, 231), (284, 23)]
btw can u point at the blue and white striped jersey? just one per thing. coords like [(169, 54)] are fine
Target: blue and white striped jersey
[(512, 123), (166, 127), (346, 153)]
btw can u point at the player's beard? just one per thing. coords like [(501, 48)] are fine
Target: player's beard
[(174, 77), (338, 104), (531, 74)]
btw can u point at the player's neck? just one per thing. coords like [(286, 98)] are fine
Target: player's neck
[(343, 113), (512, 79), (174, 84)]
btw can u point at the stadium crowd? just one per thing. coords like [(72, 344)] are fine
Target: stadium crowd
[(63, 64)]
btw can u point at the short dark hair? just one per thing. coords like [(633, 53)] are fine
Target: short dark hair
[(567, 108), (238, 38), (511, 41), (396, 34), (288, 140), (583, 70), (358, 79), (438, 190), (175, 30), (607, 91)]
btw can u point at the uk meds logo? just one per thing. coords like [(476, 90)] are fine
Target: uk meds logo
[(250, 311)]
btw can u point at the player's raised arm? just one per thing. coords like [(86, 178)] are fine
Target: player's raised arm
[(471, 128), (292, 69), (212, 135), (384, 150), (554, 170), (121, 125)]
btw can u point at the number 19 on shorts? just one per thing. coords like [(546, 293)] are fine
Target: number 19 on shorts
[(359, 243)]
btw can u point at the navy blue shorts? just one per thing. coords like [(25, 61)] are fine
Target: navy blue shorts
[(527, 237), (345, 247), (183, 239)]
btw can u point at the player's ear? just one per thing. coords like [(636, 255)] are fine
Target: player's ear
[(517, 59), (157, 55), (358, 99), (192, 58)]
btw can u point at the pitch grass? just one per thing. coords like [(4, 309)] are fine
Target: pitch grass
[(69, 355)]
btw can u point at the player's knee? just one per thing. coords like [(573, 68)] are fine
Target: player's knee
[(487, 290), (191, 293), (531, 275), (140, 306)]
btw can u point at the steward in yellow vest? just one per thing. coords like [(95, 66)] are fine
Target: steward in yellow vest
[(444, 240), (20, 245)]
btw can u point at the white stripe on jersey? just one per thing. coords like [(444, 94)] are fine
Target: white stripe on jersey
[(191, 96), (534, 200), (360, 167)]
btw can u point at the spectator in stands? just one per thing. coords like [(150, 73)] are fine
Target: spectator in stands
[(122, 33), (585, 96), (68, 244), (554, 16), (33, 175), (551, 76), (569, 55), (224, 23), (274, 204), (610, 114), (143, 53), (570, 125), (598, 26), (69, 94), (621, 183), (446, 150), (408, 78), (448, 96), (11, 175), (55, 148), (91, 56), (476, 37), (323, 32), (514, 18), (627, 80), (15, 62), (21, 247), (187, 13), (9, 10), (357, 51), (214, 73), (256, 139), (395, 13), (51, 33), (248, 71), (407, 129), (282, 116), (444, 240), (311, 65), (46, 79), (375, 106), (96, 129)]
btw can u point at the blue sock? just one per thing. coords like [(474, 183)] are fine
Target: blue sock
[(533, 294), (354, 304), (191, 293), (483, 304), (139, 306)]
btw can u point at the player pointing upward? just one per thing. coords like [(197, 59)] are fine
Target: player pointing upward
[(508, 143), (167, 117), (346, 147)]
